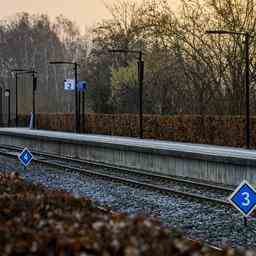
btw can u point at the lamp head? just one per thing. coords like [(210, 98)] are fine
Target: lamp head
[(24, 71), (62, 62)]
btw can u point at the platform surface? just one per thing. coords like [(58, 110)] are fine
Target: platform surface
[(150, 144)]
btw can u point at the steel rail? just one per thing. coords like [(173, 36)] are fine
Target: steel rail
[(126, 181), (128, 170)]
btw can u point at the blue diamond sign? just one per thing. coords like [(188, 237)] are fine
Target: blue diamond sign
[(244, 198), (25, 157)]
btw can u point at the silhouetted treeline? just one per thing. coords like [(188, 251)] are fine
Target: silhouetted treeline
[(186, 70), (28, 41)]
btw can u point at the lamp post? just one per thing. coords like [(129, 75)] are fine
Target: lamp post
[(16, 97), (83, 88), (1, 106), (34, 78), (77, 96), (247, 79), (83, 110), (140, 79), (7, 94)]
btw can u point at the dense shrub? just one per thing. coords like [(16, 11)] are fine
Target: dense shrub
[(219, 130), (38, 221)]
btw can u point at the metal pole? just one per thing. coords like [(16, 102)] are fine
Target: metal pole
[(34, 103), (83, 108), (1, 107), (9, 108), (245, 222), (79, 108), (16, 99), (76, 102), (247, 89), (141, 76)]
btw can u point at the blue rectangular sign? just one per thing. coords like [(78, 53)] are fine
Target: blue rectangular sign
[(81, 86)]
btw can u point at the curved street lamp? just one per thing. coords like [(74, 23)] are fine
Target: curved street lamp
[(140, 78), (21, 72), (247, 79), (1, 103)]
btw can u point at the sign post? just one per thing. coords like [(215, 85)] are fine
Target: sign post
[(244, 199), (82, 87), (31, 120)]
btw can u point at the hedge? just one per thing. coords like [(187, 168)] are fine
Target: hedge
[(218, 130)]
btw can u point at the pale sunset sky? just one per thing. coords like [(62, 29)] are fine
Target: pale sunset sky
[(83, 12)]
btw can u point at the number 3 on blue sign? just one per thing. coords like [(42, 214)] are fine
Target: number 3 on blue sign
[(246, 199)]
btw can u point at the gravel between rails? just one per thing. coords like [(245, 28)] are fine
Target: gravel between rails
[(175, 185), (217, 226), (219, 192)]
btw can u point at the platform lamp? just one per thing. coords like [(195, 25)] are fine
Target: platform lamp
[(16, 96), (34, 78), (77, 96), (7, 94), (247, 37), (1, 105), (140, 79)]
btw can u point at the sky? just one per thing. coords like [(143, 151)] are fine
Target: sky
[(84, 12)]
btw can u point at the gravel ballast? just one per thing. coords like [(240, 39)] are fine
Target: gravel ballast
[(215, 225)]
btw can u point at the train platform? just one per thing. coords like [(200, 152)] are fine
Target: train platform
[(225, 165)]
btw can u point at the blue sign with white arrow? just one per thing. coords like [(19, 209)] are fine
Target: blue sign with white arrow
[(244, 198), (25, 157)]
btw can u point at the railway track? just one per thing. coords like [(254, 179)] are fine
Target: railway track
[(186, 188), (73, 164)]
